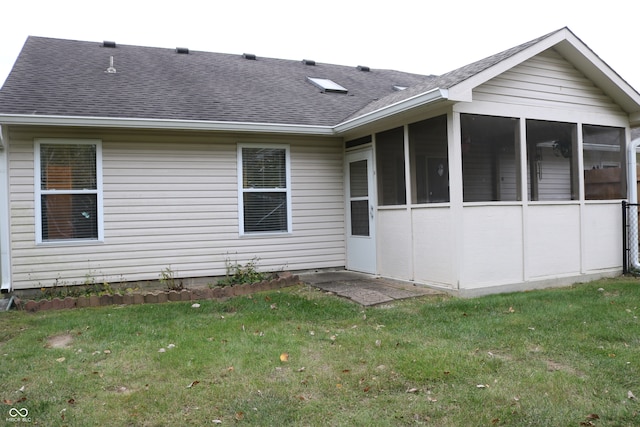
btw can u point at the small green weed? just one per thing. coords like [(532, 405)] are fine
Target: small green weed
[(167, 278), (238, 274)]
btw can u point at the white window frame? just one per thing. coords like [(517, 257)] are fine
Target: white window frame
[(242, 190), (39, 192)]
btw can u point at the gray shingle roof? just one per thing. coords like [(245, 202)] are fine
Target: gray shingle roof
[(68, 78)]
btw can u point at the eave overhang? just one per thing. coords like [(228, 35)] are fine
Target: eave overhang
[(166, 124), (419, 100)]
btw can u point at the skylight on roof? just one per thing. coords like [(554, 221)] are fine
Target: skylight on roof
[(327, 85)]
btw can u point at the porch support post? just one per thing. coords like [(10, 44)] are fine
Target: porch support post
[(455, 193)]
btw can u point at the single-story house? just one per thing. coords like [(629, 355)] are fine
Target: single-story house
[(118, 162)]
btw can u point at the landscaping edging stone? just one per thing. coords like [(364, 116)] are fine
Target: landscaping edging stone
[(283, 280)]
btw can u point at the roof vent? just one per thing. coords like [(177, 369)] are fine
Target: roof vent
[(183, 50), (308, 62), (249, 56), (363, 68), (399, 87), (327, 85), (108, 44), (111, 69)]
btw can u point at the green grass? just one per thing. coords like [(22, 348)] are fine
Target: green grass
[(545, 358)]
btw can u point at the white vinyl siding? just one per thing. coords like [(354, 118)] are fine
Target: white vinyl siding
[(171, 200), (547, 81)]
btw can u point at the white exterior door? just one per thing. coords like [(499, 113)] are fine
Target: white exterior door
[(361, 211)]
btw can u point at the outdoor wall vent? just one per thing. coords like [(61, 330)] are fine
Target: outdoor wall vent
[(108, 44), (363, 68), (182, 50), (308, 62), (249, 56)]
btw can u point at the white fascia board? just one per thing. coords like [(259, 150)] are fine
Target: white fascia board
[(495, 70), (424, 98), (590, 64), (131, 123)]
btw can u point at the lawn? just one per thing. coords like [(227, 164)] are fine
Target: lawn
[(563, 357)]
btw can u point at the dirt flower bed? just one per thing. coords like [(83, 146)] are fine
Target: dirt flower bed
[(155, 297)]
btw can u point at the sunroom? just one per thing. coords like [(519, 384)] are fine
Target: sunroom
[(474, 202)]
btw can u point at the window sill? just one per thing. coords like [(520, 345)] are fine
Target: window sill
[(70, 242)]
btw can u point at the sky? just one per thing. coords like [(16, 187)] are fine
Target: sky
[(418, 36)]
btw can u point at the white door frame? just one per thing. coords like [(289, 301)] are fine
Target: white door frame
[(361, 248)]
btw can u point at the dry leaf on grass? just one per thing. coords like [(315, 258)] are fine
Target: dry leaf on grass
[(193, 383), (284, 357)]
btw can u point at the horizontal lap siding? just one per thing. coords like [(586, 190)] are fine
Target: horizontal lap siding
[(172, 201), (547, 81)]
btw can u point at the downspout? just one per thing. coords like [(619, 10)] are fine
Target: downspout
[(5, 264), (632, 189)]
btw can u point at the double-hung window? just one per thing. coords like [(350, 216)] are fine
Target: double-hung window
[(264, 199), (68, 188)]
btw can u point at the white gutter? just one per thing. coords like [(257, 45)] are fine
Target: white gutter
[(206, 125), (5, 262), (632, 188), (170, 124)]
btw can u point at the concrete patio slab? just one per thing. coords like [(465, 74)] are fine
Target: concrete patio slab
[(364, 289)]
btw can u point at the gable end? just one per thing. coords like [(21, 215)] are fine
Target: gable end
[(547, 80)]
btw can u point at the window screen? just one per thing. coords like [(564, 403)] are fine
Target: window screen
[(68, 191), (490, 160), (391, 168), (265, 189), (552, 163), (604, 160), (429, 160)]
